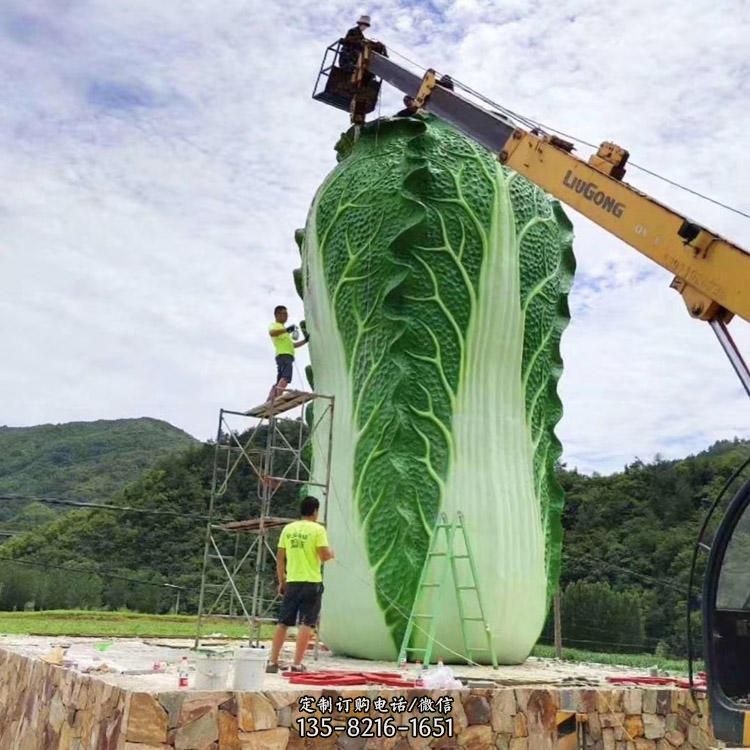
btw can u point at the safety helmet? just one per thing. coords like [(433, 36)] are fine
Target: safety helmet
[(365, 20)]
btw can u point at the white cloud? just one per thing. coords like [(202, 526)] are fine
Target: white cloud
[(160, 157)]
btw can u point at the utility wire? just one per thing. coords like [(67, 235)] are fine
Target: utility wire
[(86, 505), (102, 573), (643, 576)]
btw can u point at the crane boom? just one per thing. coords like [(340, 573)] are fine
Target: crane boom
[(711, 273)]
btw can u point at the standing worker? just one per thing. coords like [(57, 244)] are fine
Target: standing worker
[(281, 335), (303, 548)]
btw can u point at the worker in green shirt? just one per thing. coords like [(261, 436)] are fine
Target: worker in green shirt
[(302, 550), (281, 335)]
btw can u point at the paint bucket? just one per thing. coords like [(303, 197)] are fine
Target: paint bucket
[(212, 669), (249, 668)]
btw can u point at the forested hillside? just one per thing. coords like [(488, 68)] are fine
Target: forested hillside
[(78, 461), (159, 541), (627, 549), (628, 540)]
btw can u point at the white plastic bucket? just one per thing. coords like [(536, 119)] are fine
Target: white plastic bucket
[(249, 668), (212, 669)]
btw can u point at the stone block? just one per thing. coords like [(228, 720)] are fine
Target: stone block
[(351, 743), (502, 742), (266, 739), (458, 714), (147, 720), (502, 710), (541, 712), (197, 734), (608, 738), (632, 701), (568, 700), (649, 700), (444, 743), (610, 721), (594, 725), (634, 726), (255, 712), (504, 724), (477, 709), (641, 743), (520, 725), (522, 698), (57, 713), (587, 701), (698, 738), (663, 702), (282, 700), (172, 704), (675, 700), (689, 702), (196, 705), (228, 731), (654, 726), (519, 743)]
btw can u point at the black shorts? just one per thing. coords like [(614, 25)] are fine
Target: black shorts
[(301, 600), (284, 367)]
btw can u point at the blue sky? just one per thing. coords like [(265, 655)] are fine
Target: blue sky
[(159, 156)]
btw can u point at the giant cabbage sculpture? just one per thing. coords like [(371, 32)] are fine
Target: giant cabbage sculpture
[(434, 283)]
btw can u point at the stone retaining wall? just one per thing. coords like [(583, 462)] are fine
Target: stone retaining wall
[(43, 707)]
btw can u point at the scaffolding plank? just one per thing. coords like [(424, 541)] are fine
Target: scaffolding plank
[(254, 524), (286, 401)]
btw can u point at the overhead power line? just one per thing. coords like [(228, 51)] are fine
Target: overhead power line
[(87, 505), (88, 571), (635, 574)]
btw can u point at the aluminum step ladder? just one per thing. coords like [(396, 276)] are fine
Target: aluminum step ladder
[(442, 557)]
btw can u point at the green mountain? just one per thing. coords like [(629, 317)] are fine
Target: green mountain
[(78, 461), (628, 541), (160, 540)]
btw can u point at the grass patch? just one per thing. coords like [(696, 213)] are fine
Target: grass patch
[(638, 661), (119, 625)]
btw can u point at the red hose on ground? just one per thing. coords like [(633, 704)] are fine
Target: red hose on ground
[(698, 684), (333, 677)]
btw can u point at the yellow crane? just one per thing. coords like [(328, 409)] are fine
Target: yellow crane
[(711, 273)]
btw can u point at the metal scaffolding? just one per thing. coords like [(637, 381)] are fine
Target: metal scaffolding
[(278, 451)]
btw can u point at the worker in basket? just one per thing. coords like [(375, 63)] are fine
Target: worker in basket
[(352, 43)]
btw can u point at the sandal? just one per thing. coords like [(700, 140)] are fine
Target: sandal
[(272, 668), (298, 668)]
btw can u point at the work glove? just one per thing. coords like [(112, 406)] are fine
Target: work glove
[(291, 328)]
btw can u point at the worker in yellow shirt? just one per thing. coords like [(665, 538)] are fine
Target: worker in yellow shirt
[(302, 550), (281, 335)]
